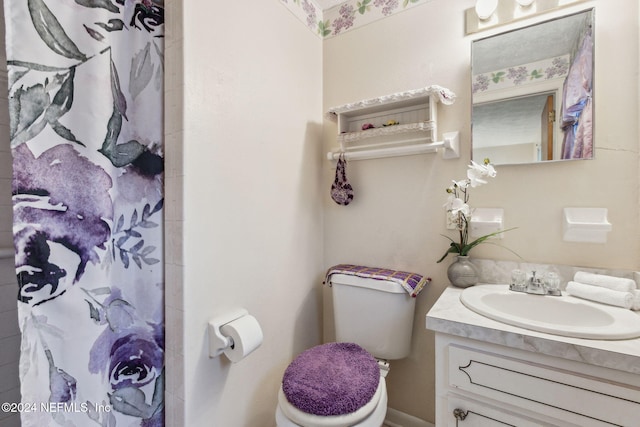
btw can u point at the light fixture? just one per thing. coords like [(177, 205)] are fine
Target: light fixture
[(492, 13), (486, 8)]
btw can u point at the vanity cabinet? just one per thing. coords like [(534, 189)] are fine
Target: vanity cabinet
[(484, 384)]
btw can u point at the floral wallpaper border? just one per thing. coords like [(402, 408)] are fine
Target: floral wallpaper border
[(547, 69), (346, 16)]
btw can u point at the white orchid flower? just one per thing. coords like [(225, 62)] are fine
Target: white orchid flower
[(491, 171), (475, 177), (486, 169), (449, 203), (459, 206), (461, 184)]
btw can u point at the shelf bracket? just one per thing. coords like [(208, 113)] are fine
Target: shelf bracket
[(451, 145)]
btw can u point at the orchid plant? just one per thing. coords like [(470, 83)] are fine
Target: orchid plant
[(458, 207)]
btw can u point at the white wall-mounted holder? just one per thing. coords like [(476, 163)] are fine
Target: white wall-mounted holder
[(486, 221), (589, 225), (400, 124), (234, 333)]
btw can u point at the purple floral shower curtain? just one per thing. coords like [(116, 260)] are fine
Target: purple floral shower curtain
[(85, 100)]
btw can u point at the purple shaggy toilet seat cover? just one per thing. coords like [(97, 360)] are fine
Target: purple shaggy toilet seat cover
[(331, 379)]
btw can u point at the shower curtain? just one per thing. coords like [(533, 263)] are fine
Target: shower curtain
[(85, 101)]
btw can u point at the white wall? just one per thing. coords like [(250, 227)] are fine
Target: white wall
[(243, 132), (396, 219)]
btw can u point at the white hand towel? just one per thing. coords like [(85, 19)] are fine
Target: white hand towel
[(636, 300), (603, 295), (616, 283)]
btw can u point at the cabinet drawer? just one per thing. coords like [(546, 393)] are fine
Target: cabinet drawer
[(472, 413), (568, 396)]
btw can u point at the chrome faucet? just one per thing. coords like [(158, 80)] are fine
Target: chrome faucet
[(537, 286)]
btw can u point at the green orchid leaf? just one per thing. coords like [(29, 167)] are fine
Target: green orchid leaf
[(503, 247), (51, 32), (482, 239), (454, 248), (449, 251), (457, 248)]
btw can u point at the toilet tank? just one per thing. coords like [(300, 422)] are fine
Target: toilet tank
[(375, 314)]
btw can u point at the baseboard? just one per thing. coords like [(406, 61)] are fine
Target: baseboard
[(396, 418)]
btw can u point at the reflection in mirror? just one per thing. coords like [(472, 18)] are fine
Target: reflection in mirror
[(532, 92)]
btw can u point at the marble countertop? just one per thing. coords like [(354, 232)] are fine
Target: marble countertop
[(449, 316)]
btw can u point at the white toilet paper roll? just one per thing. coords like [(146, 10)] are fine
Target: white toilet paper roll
[(246, 335)]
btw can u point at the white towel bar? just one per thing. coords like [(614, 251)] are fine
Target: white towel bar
[(450, 149)]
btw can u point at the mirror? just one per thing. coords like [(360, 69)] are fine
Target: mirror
[(532, 92)]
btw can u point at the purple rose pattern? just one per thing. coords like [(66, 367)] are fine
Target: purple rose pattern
[(88, 205)]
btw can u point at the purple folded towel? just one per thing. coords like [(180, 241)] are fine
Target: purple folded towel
[(331, 379), (411, 282)]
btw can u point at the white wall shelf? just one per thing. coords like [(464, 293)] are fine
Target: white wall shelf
[(399, 124)]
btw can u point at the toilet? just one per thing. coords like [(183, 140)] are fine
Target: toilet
[(342, 384)]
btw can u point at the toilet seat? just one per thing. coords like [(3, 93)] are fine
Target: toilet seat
[(372, 414), (332, 385)]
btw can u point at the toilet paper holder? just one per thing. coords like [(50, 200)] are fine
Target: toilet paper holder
[(218, 342)]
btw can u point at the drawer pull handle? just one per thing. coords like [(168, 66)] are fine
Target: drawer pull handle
[(460, 414)]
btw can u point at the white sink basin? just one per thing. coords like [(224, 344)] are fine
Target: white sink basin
[(565, 315)]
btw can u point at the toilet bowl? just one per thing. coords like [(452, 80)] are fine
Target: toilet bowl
[(332, 385)]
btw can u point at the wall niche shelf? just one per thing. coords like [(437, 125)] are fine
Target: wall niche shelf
[(399, 124)]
